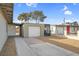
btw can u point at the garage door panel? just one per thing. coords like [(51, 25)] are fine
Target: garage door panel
[(34, 31)]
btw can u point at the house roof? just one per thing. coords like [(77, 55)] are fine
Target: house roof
[(7, 11), (61, 25), (69, 25)]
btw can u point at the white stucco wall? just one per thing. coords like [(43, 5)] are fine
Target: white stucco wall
[(53, 29), (59, 30), (11, 30), (3, 30), (75, 37)]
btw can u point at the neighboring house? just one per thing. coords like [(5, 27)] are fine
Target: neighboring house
[(60, 29), (70, 28), (57, 29), (6, 16)]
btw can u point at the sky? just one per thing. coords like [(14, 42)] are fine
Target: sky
[(55, 12)]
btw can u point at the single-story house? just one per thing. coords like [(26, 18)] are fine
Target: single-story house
[(70, 28), (6, 16), (57, 29)]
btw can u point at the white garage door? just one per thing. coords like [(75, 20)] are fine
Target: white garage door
[(34, 31)]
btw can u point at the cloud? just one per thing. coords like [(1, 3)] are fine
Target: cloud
[(31, 4), (65, 8), (67, 12)]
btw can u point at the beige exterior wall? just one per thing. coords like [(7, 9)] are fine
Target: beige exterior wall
[(3, 31), (26, 26), (11, 30)]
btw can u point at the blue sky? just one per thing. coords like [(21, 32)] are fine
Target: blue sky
[(55, 12)]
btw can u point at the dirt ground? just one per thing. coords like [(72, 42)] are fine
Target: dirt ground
[(70, 44), (9, 48)]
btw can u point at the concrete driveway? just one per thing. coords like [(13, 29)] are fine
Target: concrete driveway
[(36, 47)]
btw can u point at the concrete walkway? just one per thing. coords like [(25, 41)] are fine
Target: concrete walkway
[(36, 47)]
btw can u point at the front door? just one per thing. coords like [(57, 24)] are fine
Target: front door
[(68, 29)]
